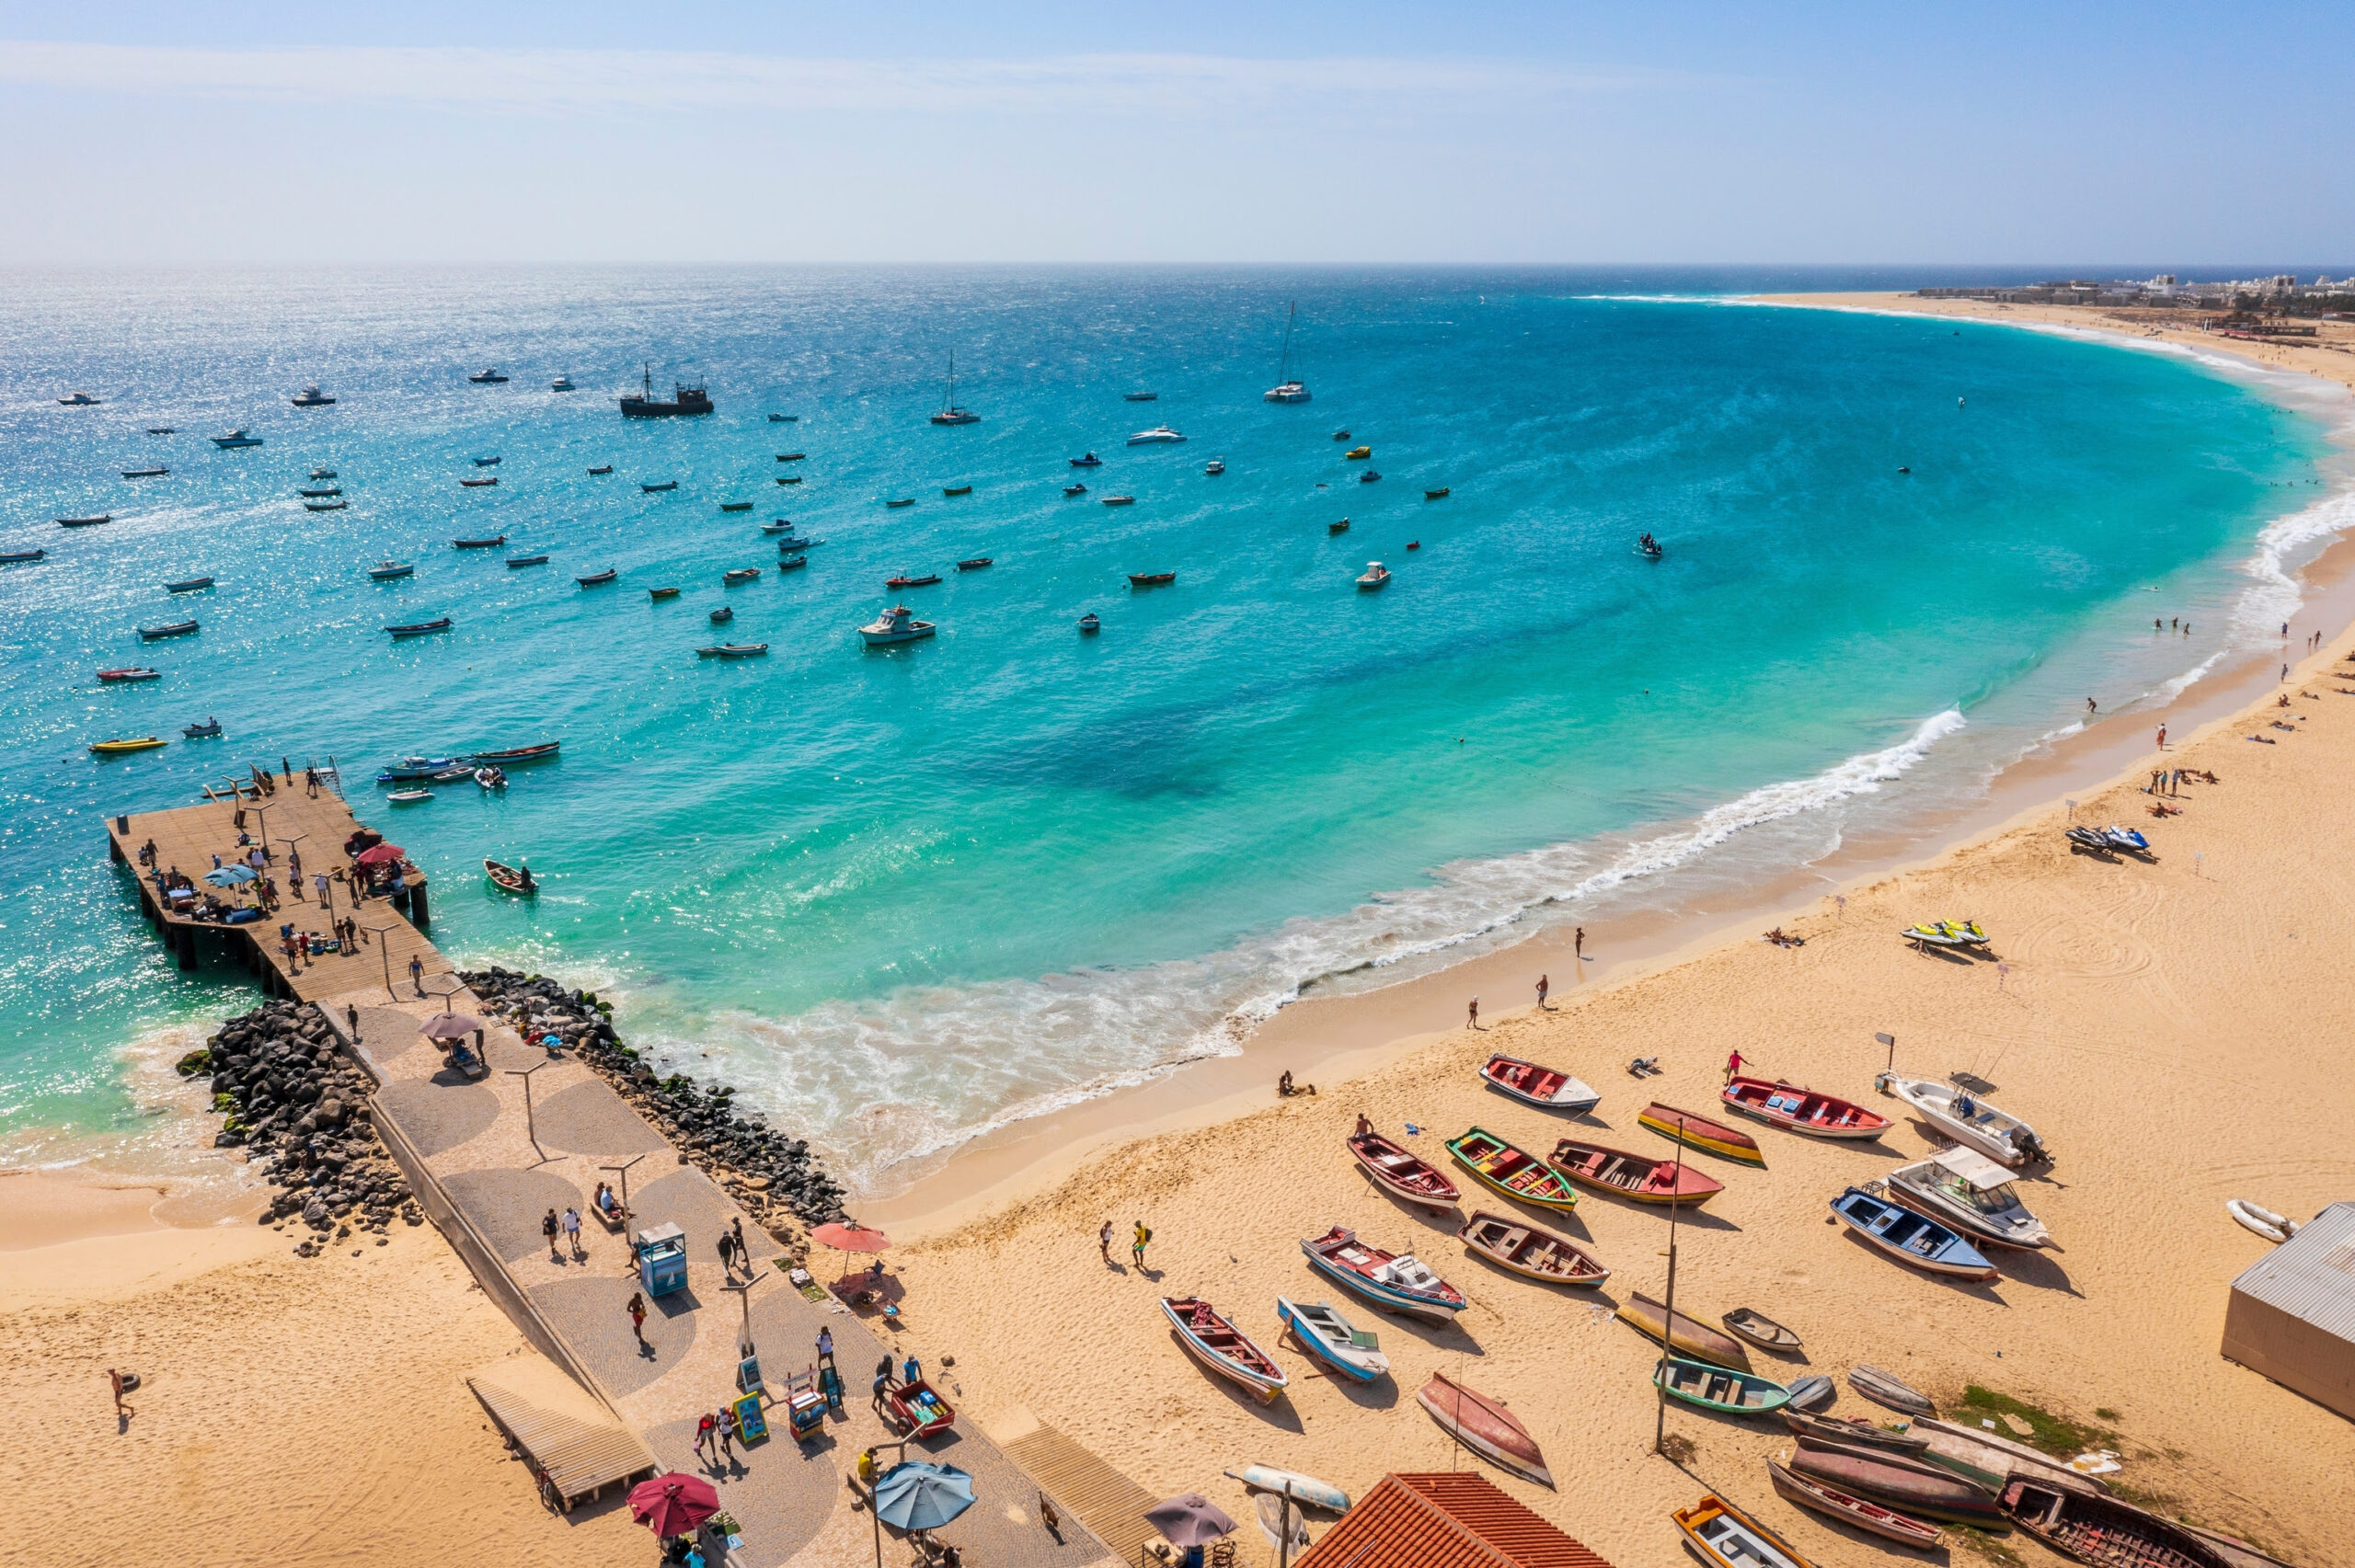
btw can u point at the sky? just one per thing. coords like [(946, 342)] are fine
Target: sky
[(2188, 137)]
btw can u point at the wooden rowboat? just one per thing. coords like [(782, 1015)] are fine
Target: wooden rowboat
[(1535, 1085), (1911, 1486), (117, 747), (538, 751), (663, 488), (1151, 579), (478, 544), (84, 521), (956, 489), (1322, 1330), (1639, 1178), (1795, 1108), (1759, 1330), (1396, 1282), (1686, 1336), (129, 672), (662, 593), (1401, 1175), (173, 629), (601, 469), (1725, 1537), (1833, 1504), (1485, 1427), (1223, 1348), (421, 628), (478, 484), (509, 879), (1706, 1387), (1852, 1430), (187, 585), (1700, 1132), (596, 579), (2104, 1530), (1910, 1237), (1513, 1173), (735, 506), (1437, 495), (1530, 1251), (1888, 1392), (739, 574)]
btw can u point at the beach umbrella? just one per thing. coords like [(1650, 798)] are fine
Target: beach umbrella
[(850, 1236), (449, 1026), (1190, 1520), (916, 1496), (381, 854), (673, 1503), (231, 876)]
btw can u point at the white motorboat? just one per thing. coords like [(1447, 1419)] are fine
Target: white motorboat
[(77, 400), (1967, 1190), (899, 625), (1288, 388), (236, 439), (408, 796), (561, 384), (1376, 576), (385, 571), (491, 778), (1160, 435), (1216, 465), (312, 398), (1966, 1119)]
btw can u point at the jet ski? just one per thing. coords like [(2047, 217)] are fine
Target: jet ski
[(2090, 839), (1965, 932), (2125, 837), (1935, 935)]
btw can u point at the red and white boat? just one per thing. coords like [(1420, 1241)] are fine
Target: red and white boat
[(1797, 1108), (1398, 1282), (1485, 1427), (1539, 1085), (1223, 1348), (1401, 1175), (129, 672)]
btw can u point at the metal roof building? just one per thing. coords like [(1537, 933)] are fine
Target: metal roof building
[(2293, 1315)]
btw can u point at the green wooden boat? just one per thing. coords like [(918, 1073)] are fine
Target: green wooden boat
[(1514, 1173), (1720, 1388)]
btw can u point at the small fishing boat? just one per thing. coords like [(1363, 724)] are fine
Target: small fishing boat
[(1910, 1237), (790, 563), (662, 593), (385, 571), (408, 796), (1854, 1430), (735, 506), (791, 456), (1300, 1488), (1700, 1132), (1889, 1392), (1089, 461), (1797, 1108), (478, 484), (1358, 454), (491, 778), (1963, 1188), (515, 561), (956, 489), (117, 747), (782, 525), (788, 479), (1089, 625), (1376, 576), (129, 672), (924, 581), (722, 615), (1340, 527), (1744, 1323), (783, 418), (209, 730), (162, 430), (490, 377), (1120, 500), (1545, 1087), (561, 384), (490, 462), (1218, 1344), (1725, 1537), (84, 521), (1322, 1332), (1284, 1525), (1214, 468), (187, 585), (409, 767), (1530, 1251), (667, 485), (1139, 398), (2107, 1531), (325, 506), (1370, 475), (787, 546), (538, 751), (739, 574), (1640, 1178), (733, 650), (1687, 1337), (172, 629), (1814, 1392), (1341, 435), (600, 471), (1152, 580), (1160, 435), (2273, 1227), (1437, 495), (312, 398), (1968, 1119), (596, 579), (18, 557), (1513, 1173), (77, 400), (978, 562), (235, 439), (1823, 1498), (1707, 1387), (321, 494), (1914, 1487), (1399, 1173), (1485, 1427), (1396, 1282), (145, 473), (897, 624), (515, 879), (1075, 489), (319, 474), (903, 501), (419, 628)]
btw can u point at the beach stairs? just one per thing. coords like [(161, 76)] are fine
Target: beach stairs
[(559, 1428), (1084, 1487)]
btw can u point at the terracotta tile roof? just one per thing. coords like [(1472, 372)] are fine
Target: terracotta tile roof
[(1444, 1520)]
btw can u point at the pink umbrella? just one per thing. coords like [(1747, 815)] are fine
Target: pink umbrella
[(379, 855), (850, 1236), (673, 1503), (449, 1026)]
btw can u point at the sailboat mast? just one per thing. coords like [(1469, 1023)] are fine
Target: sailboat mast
[(1283, 365)]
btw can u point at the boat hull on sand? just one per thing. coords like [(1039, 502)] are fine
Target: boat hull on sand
[(1396, 1282), (1889, 1392), (1756, 1328), (1545, 1087), (1224, 1349), (1486, 1427), (1914, 1487), (1688, 1338), (1858, 1512), (2103, 1530), (1915, 1240), (1324, 1333), (1968, 1119), (1402, 1175), (1707, 1387), (1639, 1178), (1511, 1173), (1724, 1537), (1797, 1108), (1700, 1132), (1530, 1251)]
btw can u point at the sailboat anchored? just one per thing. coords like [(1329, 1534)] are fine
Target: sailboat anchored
[(950, 413), (1288, 388)]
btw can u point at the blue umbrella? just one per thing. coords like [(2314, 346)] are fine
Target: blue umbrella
[(230, 876), (920, 1496)]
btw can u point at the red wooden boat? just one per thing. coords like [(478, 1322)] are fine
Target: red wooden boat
[(1911, 1486), (912, 582), (1485, 1427), (479, 484), (1401, 1175), (1834, 1504), (1223, 1348), (1639, 1178), (2104, 1530), (1539, 1085), (1795, 1108)]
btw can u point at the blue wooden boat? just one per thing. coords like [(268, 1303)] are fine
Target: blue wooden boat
[(1396, 1282), (1910, 1237), (1720, 1389), (1321, 1330)]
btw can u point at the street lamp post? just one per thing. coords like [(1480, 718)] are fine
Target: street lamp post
[(621, 1170), (390, 995), (530, 1129), (263, 812)]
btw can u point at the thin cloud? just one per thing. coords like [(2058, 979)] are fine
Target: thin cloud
[(594, 81)]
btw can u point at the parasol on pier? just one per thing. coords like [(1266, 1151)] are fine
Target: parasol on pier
[(450, 1027), (232, 875), (379, 855), (673, 1503)]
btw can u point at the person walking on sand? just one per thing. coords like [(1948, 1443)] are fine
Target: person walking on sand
[(1733, 1066), (637, 1316), (1471, 1016), (572, 1233), (548, 1228), (1104, 1240), (1577, 944), (1541, 993), (2162, 737), (1136, 1248), (115, 1378)]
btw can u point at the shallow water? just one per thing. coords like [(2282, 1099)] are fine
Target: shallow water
[(902, 895)]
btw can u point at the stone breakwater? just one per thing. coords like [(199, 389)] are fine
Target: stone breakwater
[(300, 1109), (773, 1175)]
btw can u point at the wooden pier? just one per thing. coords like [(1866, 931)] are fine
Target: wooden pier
[(288, 821)]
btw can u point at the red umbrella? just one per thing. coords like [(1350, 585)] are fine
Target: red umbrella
[(379, 855), (673, 1503), (850, 1236)]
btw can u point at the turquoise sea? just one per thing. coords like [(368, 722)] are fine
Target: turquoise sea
[(900, 896)]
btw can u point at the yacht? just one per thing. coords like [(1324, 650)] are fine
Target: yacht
[(1288, 388), (490, 377), (236, 439), (897, 624), (1376, 576), (77, 400), (1160, 435), (312, 398), (950, 413), (561, 384)]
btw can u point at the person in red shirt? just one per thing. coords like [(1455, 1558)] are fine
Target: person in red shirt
[(1733, 1067)]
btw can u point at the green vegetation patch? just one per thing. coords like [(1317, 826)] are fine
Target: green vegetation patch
[(2053, 1435)]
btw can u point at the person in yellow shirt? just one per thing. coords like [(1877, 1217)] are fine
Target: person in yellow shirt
[(1136, 1250)]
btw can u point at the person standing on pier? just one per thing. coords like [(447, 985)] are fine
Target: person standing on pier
[(416, 975)]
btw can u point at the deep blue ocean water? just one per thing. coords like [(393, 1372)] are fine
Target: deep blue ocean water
[(899, 896)]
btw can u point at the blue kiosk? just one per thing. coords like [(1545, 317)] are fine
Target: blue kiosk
[(662, 1259)]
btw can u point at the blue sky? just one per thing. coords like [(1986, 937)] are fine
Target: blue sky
[(2181, 136)]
